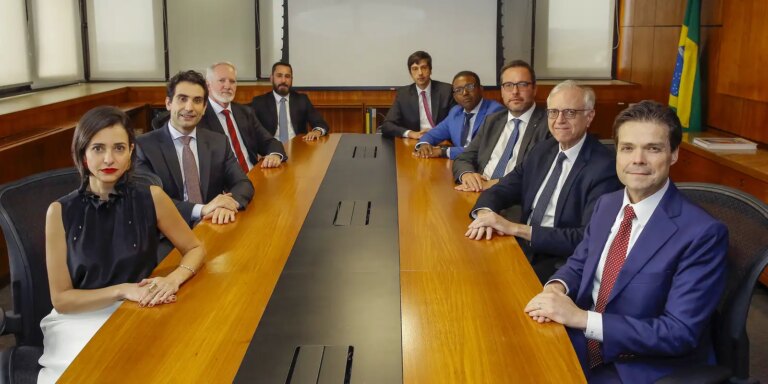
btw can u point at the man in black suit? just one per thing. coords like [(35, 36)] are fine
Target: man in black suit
[(506, 137), (557, 184), (420, 106), (196, 166), (247, 136), (286, 113)]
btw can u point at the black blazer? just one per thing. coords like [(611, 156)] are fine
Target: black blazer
[(404, 114), (477, 154), (592, 175), (219, 170), (302, 112), (256, 139)]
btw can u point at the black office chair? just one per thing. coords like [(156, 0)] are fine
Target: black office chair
[(23, 205), (747, 220), (161, 118), (22, 217)]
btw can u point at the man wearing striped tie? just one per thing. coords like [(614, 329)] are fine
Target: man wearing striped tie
[(639, 291)]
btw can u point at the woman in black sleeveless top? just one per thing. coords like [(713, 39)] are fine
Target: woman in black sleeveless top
[(101, 241)]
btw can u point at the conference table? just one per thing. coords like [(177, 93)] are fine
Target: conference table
[(349, 265)]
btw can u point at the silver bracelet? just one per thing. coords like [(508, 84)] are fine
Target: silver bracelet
[(188, 268)]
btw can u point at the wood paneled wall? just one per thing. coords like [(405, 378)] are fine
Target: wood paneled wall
[(648, 34)]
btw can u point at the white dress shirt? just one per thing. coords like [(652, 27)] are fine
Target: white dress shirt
[(179, 146), (498, 150), (571, 155), (219, 110), (424, 124)]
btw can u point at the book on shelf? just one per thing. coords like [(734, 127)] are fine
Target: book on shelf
[(725, 143)]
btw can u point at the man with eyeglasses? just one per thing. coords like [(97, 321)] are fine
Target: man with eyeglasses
[(463, 120), (557, 185), (420, 106), (505, 137)]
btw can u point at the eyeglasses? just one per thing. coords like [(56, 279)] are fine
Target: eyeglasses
[(469, 88), (569, 114), (508, 86)]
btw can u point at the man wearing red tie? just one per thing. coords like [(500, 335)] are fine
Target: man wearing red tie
[(250, 141), (639, 291)]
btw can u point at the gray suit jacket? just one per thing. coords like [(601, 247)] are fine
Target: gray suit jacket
[(478, 152), (219, 171), (404, 114)]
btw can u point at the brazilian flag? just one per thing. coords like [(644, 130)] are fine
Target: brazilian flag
[(685, 92)]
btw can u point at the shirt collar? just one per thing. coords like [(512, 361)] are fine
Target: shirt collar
[(645, 208), (278, 96), (218, 108), (428, 89), (175, 134), (475, 109), (573, 152), (525, 117)]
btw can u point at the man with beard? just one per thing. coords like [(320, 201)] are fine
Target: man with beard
[(247, 136), (463, 121), (197, 168), (505, 137), (286, 113)]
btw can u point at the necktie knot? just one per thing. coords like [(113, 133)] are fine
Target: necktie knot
[(282, 100), (629, 213), (468, 115), (186, 139), (561, 157), (225, 112)]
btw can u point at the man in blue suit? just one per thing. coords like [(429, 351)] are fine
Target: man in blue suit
[(463, 119), (638, 293), (556, 185)]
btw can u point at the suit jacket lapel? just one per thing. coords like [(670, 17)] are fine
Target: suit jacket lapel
[(168, 150), (600, 229), (479, 118), (578, 165), (204, 157), (530, 131), (213, 121), (497, 127), (293, 108), (242, 126), (656, 233), (272, 108), (434, 102)]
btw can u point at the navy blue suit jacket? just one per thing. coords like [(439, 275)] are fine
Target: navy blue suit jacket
[(658, 313), (592, 175), (450, 128)]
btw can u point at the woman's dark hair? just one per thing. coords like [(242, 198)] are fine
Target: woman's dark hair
[(89, 125)]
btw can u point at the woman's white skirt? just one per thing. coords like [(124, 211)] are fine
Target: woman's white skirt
[(64, 336)]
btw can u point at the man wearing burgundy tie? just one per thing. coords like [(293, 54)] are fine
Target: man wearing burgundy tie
[(286, 113), (639, 291), (247, 136), (196, 166), (463, 120), (505, 137), (420, 106), (556, 185)]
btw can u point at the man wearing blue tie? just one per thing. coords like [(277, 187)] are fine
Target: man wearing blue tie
[(556, 185), (463, 121), (286, 113), (505, 137)]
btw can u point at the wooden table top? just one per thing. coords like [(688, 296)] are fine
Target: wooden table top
[(461, 300)]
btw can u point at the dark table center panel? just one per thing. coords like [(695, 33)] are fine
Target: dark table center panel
[(335, 313)]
